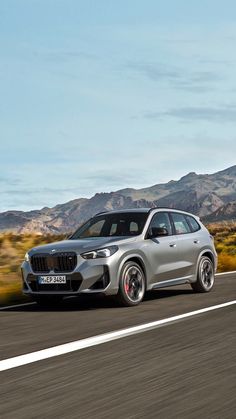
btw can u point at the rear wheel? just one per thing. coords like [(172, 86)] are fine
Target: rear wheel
[(132, 285), (205, 277), (48, 300)]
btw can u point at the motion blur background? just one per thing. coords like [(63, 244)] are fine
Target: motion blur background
[(93, 89), (102, 95)]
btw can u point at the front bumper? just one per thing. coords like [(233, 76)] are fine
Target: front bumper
[(87, 278)]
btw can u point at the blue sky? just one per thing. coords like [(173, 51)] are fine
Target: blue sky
[(101, 95)]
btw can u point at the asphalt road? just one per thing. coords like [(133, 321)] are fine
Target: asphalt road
[(185, 369)]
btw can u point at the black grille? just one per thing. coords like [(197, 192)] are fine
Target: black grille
[(64, 262), (59, 262), (39, 263)]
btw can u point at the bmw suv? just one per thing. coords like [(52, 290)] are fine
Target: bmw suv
[(123, 253)]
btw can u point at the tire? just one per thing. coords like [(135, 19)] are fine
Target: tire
[(205, 276), (48, 301), (132, 285)]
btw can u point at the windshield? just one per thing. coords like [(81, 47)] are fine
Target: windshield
[(108, 225)]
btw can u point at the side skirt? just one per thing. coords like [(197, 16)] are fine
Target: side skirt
[(171, 282)]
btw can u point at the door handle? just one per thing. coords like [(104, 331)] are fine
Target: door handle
[(172, 244), (196, 241)]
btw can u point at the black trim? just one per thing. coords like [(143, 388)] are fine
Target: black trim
[(103, 281), (73, 283)]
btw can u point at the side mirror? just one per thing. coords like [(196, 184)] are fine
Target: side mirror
[(157, 232)]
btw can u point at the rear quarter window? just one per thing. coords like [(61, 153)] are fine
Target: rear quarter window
[(193, 223), (180, 223)]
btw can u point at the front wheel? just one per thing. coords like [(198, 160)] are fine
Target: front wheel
[(132, 285), (205, 276)]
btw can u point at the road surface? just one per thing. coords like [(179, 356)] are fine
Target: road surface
[(185, 369)]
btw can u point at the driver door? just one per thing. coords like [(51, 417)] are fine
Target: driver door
[(162, 251)]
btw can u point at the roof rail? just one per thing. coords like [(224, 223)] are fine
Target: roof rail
[(99, 213), (149, 210), (170, 209), (153, 209)]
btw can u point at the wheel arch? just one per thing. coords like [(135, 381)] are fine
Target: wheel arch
[(208, 253), (137, 259)]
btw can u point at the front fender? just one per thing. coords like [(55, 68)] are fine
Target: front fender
[(128, 257)]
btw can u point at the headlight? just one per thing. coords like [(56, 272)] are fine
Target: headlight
[(100, 253), (27, 258)]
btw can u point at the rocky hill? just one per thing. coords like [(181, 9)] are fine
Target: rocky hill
[(225, 213), (212, 197)]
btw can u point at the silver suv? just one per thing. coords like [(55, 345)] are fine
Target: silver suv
[(123, 253)]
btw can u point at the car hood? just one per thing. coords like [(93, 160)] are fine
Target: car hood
[(82, 245)]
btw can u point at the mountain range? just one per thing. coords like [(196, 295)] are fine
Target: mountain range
[(211, 196)]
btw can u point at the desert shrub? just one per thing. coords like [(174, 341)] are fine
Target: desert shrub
[(226, 262)]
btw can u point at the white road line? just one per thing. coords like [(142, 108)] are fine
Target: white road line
[(17, 305), (225, 273), (77, 345)]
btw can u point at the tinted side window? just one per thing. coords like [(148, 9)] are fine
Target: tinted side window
[(161, 219), (180, 223), (193, 223)]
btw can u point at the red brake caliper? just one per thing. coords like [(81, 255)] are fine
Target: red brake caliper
[(126, 287)]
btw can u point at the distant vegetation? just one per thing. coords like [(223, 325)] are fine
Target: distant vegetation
[(12, 250), (225, 241), (14, 246)]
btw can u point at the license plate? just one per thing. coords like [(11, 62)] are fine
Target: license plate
[(52, 279)]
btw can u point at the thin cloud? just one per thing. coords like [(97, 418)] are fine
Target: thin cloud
[(176, 77), (61, 55), (220, 114), (9, 181), (27, 191)]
